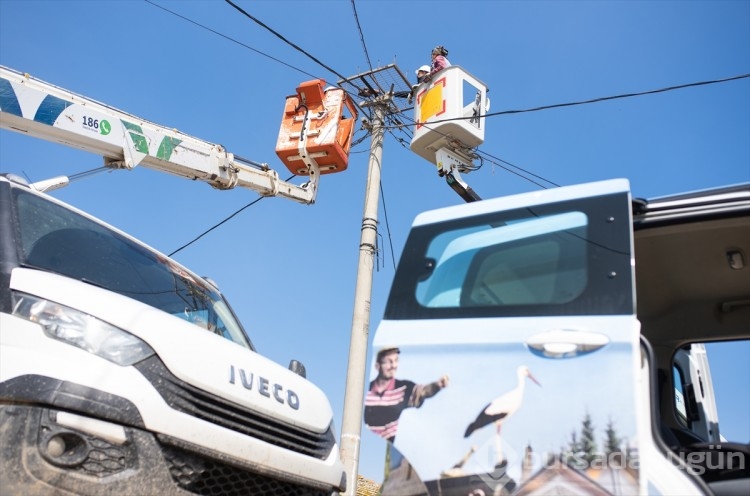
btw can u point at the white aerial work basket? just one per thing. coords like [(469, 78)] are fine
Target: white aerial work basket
[(449, 114)]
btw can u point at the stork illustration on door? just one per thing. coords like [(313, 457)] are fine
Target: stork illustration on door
[(501, 408)]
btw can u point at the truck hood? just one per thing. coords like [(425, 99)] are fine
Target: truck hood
[(194, 355)]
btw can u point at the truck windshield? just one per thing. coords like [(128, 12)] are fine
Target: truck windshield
[(56, 239)]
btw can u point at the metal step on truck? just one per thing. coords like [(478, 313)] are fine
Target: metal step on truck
[(122, 371)]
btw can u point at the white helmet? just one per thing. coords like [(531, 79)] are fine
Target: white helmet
[(424, 68)]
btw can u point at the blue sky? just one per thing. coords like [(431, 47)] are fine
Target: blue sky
[(288, 269)]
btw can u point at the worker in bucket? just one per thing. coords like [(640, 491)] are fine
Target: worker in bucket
[(439, 60), (421, 73)]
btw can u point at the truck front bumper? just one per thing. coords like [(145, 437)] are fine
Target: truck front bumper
[(45, 451)]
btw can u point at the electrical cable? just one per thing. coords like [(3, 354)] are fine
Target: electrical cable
[(215, 226), (387, 226), (382, 193), (594, 100), (361, 36), (626, 95), (496, 160), (296, 47), (230, 38), (492, 159), (600, 99), (222, 222), (363, 111), (282, 38)]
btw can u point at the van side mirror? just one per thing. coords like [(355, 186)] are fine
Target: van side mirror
[(298, 368)]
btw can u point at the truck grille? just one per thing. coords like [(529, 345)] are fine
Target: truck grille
[(198, 403), (207, 477)]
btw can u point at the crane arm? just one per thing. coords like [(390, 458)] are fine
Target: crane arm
[(37, 108), (450, 163)]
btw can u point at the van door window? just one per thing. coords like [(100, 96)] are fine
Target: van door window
[(573, 259), (530, 262)]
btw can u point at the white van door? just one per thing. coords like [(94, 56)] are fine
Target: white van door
[(508, 359)]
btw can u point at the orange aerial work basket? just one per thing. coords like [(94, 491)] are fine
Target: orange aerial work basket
[(315, 127)]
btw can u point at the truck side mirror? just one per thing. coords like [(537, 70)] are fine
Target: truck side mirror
[(298, 368)]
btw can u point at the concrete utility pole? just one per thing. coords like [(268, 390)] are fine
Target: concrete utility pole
[(355, 380)]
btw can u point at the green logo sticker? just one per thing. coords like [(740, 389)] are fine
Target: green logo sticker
[(105, 127)]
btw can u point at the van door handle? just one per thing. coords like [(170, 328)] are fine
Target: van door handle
[(566, 343)]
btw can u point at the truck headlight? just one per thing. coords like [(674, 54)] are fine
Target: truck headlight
[(81, 330)]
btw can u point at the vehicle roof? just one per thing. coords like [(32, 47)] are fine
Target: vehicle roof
[(687, 289), (722, 201)]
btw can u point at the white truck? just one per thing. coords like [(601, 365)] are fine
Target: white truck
[(121, 371)]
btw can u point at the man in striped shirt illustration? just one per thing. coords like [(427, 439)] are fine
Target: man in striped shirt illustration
[(389, 396)]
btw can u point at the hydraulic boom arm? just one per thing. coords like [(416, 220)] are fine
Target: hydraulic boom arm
[(31, 106)]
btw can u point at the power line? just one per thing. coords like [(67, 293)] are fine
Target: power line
[(223, 221), (203, 26), (217, 225), (387, 227), (395, 124), (229, 38), (291, 44), (480, 154), (282, 38), (600, 99), (361, 36), (626, 95), (495, 160)]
